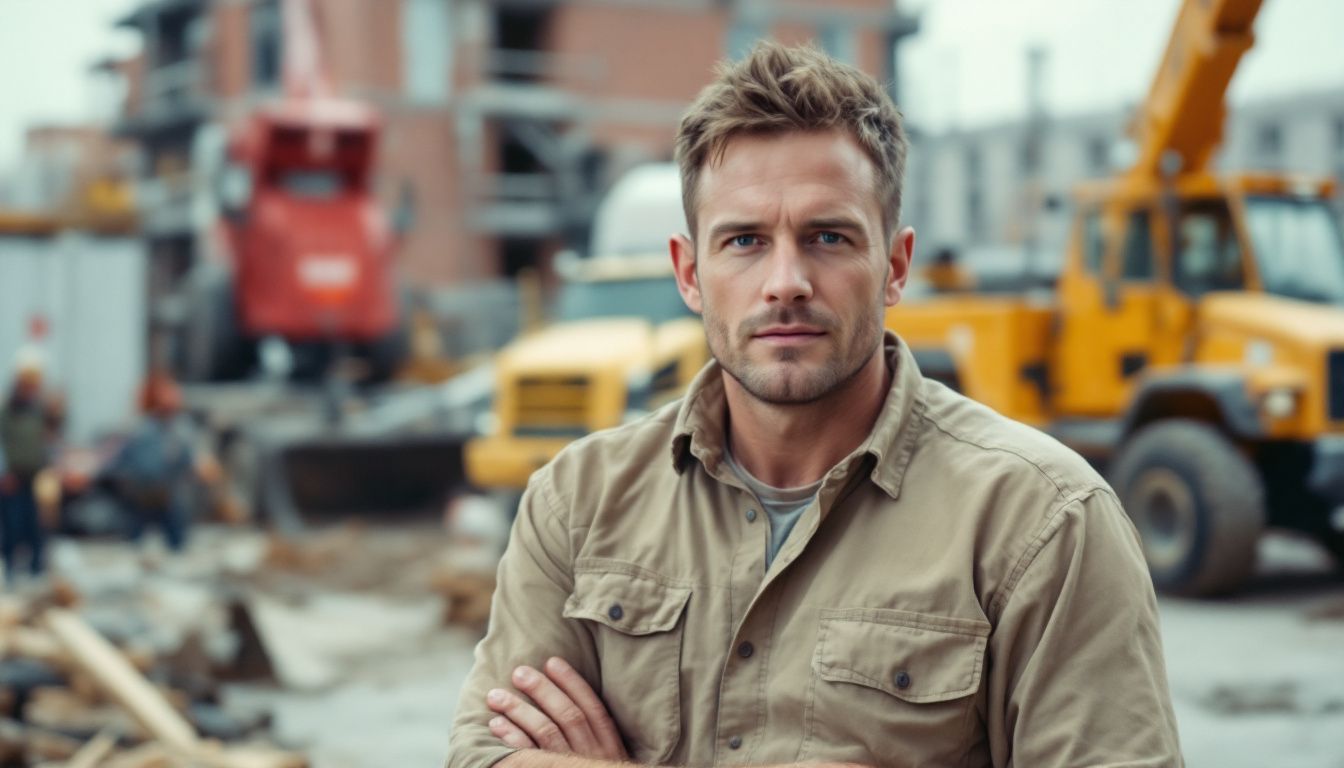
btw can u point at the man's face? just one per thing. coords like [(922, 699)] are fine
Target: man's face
[(790, 267)]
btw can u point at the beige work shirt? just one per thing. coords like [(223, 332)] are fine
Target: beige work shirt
[(964, 591)]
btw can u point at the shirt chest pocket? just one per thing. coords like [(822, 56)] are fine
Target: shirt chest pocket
[(886, 678), (635, 621)]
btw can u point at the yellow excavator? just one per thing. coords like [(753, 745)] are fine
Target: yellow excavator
[(620, 342), (1193, 345)]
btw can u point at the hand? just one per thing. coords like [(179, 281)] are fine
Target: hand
[(208, 469), (568, 718)]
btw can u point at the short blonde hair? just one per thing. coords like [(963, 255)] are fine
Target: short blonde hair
[(782, 89)]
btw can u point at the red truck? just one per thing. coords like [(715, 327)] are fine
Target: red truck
[(302, 253)]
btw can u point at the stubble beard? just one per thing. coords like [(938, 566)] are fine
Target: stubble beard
[(785, 380)]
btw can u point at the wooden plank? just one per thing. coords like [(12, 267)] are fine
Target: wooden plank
[(31, 643), (92, 653), (148, 755), (93, 753)]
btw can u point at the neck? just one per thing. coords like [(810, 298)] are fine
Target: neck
[(788, 446)]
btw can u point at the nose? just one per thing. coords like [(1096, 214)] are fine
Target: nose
[(787, 281)]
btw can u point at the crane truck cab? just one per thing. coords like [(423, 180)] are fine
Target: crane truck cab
[(302, 250), (620, 344), (1193, 346)]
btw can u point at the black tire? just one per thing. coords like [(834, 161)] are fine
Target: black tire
[(1198, 503), (1333, 541), (387, 355)]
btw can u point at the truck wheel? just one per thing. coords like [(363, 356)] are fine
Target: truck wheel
[(1333, 541), (1198, 504), (387, 354)]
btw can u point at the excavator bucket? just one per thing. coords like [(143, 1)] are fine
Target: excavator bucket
[(340, 476)]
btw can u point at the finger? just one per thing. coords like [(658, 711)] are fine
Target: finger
[(538, 727), (560, 708), (510, 734), (599, 719)]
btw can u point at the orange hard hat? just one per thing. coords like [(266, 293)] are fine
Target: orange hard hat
[(160, 394)]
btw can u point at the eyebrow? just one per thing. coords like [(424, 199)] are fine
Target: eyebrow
[(723, 229), (835, 222)]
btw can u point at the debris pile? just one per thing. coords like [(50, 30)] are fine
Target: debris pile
[(68, 694)]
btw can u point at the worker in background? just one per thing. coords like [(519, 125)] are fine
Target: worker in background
[(26, 442), (155, 470)]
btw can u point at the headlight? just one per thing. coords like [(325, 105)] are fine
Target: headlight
[(1279, 403)]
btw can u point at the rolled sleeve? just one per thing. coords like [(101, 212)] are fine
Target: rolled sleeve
[(534, 579), (1078, 677)]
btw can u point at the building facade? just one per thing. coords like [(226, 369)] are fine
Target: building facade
[(977, 188), (505, 119)]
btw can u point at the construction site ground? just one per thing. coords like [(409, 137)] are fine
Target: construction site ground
[(365, 669)]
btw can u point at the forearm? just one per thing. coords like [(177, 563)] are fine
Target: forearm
[(536, 758)]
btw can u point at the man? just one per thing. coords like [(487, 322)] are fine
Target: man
[(155, 469), (818, 556), (27, 437)]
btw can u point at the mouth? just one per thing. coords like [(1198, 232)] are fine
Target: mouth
[(789, 334)]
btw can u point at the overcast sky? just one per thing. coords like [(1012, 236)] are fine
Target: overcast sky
[(966, 66), (968, 63)]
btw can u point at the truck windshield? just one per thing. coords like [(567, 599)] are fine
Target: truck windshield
[(311, 184), (654, 299), (1298, 248)]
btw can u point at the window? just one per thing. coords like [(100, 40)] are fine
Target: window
[(975, 214), (1298, 248), (1098, 156), (837, 39), (1094, 244), (742, 35), (974, 165), (1208, 256), (265, 27), (975, 199), (426, 36), (1029, 156), (1138, 261), (1269, 142)]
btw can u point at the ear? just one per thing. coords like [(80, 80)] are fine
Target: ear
[(902, 251), (683, 266)]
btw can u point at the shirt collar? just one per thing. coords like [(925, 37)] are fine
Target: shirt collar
[(699, 431)]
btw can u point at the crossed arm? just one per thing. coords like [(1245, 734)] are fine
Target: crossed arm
[(564, 725)]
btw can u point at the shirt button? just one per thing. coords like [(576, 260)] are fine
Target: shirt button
[(751, 515), (745, 650), (615, 612), (735, 742), (902, 680)]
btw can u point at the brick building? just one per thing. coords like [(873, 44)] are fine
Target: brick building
[(505, 118)]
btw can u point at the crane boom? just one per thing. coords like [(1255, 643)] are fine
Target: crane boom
[(305, 62), (1186, 103)]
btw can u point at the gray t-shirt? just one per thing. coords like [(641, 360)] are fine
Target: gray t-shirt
[(783, 506)]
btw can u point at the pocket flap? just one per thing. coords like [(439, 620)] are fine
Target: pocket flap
[(914, 657), (626, 599)]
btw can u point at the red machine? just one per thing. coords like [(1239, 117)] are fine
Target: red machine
[(302, 253)]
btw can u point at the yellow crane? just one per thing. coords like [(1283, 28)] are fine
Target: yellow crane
[(1193, 345)]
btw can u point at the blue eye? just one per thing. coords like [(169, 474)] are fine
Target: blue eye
[(744, 241), (830, 238)]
